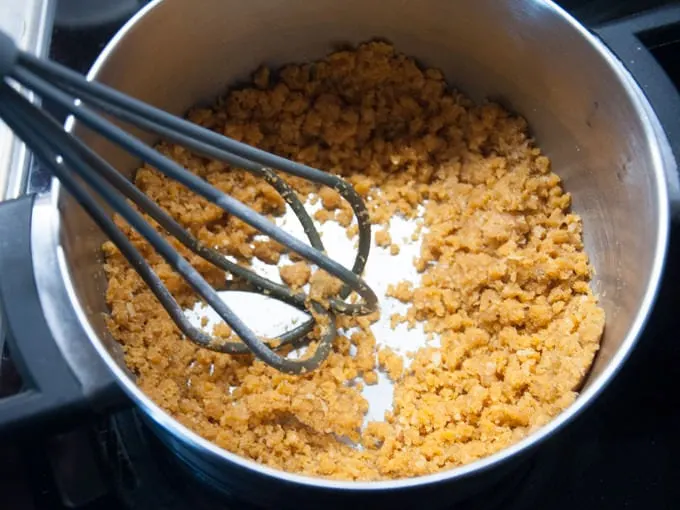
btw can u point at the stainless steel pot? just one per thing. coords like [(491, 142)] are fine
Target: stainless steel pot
[(586, 112)]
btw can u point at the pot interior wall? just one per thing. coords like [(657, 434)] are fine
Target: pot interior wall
[(522, 53)]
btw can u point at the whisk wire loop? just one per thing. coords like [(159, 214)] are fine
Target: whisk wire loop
[(210, 144), (82, 171), (58, 151)]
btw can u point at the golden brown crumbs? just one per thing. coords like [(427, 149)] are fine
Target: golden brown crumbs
[(391, 362), (295, 275), (416, 233), (294, 257), (267, 251), (403, 291), (383, 238), (344, 217), (323, 215), (394, 249), (221, 330), (364, 342), (362, 184), (396, 319), (330, 198), (365, 321), (323, 286), (504, 275), (370, 377)]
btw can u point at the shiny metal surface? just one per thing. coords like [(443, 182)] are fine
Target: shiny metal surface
[(29, 22), (585, 111), (55, 300)]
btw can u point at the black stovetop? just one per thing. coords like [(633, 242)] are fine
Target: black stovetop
[(623, 452)]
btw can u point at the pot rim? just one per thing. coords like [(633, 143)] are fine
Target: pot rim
[(660, 155)]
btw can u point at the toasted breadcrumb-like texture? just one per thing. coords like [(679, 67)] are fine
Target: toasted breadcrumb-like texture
[(504, 275), (383, 238), (295, 275), (391, 362)]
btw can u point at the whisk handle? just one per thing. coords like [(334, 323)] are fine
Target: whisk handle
[(52, 389), (9, 53)]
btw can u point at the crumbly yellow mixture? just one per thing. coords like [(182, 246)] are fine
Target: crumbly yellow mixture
[(504, 275), (295, 275)]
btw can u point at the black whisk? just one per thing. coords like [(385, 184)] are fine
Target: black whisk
[(82, 172)]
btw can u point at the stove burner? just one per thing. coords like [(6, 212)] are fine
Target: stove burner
[(147, 475)]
